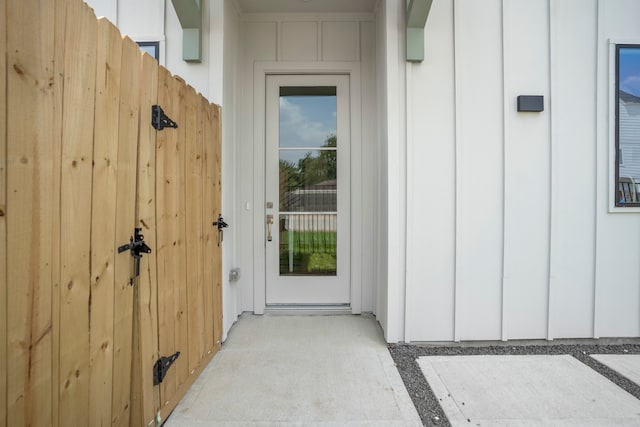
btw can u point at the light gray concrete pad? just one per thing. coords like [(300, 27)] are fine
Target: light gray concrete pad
[(627, 365), (299, 371), (526, 391)]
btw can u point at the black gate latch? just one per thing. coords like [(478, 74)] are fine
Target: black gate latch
[(221, 226), (161, 367), (137, 246)]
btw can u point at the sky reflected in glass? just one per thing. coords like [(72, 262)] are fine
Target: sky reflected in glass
[(307, 121), (630, 70)]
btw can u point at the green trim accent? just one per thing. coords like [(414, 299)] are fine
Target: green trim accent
[(417, 13), (189, 13), (191, 44), (190, 16)]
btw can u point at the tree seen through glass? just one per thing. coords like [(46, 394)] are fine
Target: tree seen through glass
[(308, 186)]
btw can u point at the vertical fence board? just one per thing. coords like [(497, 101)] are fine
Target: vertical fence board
[(166, 202), (202, 225), (56, 212), (210, 233), (201, 117), (194, 224), (217, 206), (147, 304), (125, 224), (109, 51), (3, 209), (109, 56), (75, 225), (31, 146), (182, 364)]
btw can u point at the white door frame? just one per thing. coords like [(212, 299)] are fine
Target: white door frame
[(260, 72), (319, 290)]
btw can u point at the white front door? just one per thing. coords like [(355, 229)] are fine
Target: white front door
[(307, 190)]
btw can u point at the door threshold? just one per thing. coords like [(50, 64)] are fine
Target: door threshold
[(316, 310)]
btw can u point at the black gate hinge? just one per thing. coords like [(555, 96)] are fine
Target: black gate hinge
[(137, 246), (159, 119), (161, 367)]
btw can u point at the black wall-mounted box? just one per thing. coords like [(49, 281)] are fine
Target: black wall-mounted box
[(530, 103)]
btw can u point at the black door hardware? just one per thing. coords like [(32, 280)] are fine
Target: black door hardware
[(161, 367), (159, 119), (221, 226), (137, 246)]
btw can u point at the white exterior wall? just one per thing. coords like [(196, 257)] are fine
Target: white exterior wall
[(617, 273), (392, 228), (479, 223), (510, 230), (304, 42)]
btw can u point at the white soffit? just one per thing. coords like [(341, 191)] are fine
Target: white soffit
[(306, 6)]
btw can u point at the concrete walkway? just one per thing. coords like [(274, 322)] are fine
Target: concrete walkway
[(531, 390), (299, 371)]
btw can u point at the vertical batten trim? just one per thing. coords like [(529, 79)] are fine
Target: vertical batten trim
[(402, 137), (505, 186), (355, 164), (457, 183), (278, 40), (358, 24), (319, 43), (259, 100), (554, 171), (409, 223), (597, 174)]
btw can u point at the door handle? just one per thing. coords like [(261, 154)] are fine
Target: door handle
[(269, 224)]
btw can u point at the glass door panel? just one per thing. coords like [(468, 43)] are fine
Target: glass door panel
[(308, 250)]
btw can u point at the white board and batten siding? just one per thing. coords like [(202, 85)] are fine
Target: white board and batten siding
[(510, 231)]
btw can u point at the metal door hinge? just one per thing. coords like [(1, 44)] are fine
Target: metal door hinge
[(159, 119), (137, 246), (161, 367)]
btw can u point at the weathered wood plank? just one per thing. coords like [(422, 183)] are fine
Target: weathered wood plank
[(56, 212), (107, 101), (205, 224), (194, 224), (31, 145), (202, 224), (210, 233), (217, 206), (125, 224), (167, 211), (146, 398), (181, 366), (75, 226), (3, 217)]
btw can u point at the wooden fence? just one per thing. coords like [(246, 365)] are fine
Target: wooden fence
[(81, 167)]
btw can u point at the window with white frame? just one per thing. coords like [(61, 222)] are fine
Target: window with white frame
[(627, 125), (152, 48)]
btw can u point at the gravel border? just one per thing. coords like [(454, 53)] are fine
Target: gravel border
[(428, 406)]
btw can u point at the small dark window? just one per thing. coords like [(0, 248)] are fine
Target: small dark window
[(152, 48), (627, 191)]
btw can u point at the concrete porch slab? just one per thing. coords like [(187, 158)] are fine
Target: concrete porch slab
[(526, 391), (299, 370), (627, 365)]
